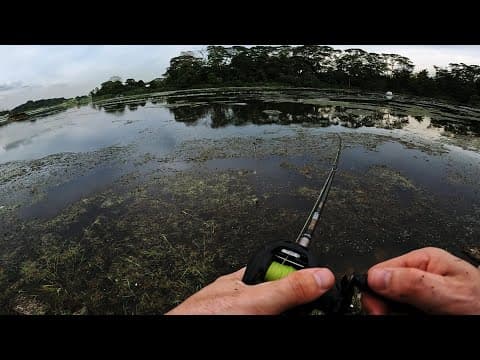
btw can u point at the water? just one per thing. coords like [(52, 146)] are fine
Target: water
[(99, 179), (157, 126), (90, 128)]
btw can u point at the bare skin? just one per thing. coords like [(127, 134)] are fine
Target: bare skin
[(228, 295), (429, 279)]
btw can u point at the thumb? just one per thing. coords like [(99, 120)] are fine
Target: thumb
[(421, 289), (298, 288)]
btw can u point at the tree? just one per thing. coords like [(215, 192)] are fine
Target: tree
[(307, 65), (110, 88), (423, 84), (93, 92), (217, 57), (157, 83), (351, 64), (459, 80), (184, 71), (130, 83)]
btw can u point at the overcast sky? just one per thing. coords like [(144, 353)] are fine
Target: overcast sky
[(41, 71)]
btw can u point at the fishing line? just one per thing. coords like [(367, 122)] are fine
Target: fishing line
[(280, 269)]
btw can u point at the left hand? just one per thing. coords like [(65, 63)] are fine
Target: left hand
[(228, 295), (429, 279)]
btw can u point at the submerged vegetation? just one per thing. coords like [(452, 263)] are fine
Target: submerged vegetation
[(184, 185), (155, 236)]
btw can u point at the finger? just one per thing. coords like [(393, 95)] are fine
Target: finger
[(236, 275), (421, 289), (429, 259), (373, 305), (417, 259), (298, 288)]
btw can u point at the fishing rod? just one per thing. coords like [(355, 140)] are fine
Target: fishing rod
[(306, 233), (278, 260)]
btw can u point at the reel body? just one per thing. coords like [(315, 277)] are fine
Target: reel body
[(277, 260)]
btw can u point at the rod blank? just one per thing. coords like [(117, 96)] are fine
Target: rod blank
[(305, 234)]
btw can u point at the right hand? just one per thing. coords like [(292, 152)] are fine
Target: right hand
[(429, 279), (229, 295)]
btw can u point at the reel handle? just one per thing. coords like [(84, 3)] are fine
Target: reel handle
[(396, 308)]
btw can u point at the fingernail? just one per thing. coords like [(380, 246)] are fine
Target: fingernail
[(378, 279), (322, 277)]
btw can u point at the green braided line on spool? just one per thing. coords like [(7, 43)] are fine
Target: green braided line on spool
[(277, 271)]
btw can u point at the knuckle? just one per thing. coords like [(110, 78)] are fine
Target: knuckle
[(434, 251), (423, 261), (410, 284), (299, 287), (416, 283)]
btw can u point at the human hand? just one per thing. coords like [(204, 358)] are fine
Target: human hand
[(228, 295), (430, 279)]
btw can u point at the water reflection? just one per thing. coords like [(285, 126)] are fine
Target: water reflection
[(118, 108), (259, 113), (17, 143), (218, 110), (191, 114), (212, 115), (134, 106)]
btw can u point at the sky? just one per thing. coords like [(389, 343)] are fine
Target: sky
[(32, 72)]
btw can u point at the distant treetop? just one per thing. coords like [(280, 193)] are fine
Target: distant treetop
[(304, 66)]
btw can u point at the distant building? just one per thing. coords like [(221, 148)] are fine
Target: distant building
[(115, 78)]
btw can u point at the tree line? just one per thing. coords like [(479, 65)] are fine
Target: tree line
[(20, 112), (306, 66), (32, 105)]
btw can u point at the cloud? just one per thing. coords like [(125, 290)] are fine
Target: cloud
[(78, 63), (426, 56), (83, 67), (11, 86)]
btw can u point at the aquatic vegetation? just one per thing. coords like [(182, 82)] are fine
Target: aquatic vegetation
[(157, 225)]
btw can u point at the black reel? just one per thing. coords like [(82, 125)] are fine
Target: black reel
[(336, 301), (286, 252)]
